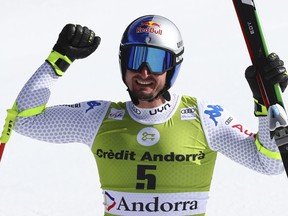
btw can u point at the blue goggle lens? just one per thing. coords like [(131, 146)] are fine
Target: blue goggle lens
[(158, 60)]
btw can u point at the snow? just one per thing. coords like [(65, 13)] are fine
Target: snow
[(42, 179)]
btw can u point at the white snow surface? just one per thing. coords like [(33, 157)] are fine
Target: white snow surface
[(43, 179)]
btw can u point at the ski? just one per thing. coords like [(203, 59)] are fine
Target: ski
[(256, 45)]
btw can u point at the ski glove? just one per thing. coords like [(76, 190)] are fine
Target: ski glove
[(74, 42), (274, 72)]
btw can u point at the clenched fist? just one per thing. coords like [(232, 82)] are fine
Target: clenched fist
[(74, 42)]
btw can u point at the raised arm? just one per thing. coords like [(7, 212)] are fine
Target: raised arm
[(233, 139), (59, 123)]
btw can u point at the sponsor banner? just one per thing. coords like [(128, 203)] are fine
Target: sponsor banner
[(145, 204)]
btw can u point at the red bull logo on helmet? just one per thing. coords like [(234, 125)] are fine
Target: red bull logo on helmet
[(149, 27), (150, 23)]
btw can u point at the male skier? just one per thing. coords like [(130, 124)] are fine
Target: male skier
[(156, 153)]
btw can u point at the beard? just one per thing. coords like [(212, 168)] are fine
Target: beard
[(142, 96)]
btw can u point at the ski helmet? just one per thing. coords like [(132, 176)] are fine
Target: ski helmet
[(156, 42)]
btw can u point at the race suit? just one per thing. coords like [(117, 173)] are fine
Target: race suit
[(156, 161)]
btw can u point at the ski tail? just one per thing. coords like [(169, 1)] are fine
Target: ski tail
[(257, 48)]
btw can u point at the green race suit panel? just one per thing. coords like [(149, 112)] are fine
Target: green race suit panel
[(170, 157)]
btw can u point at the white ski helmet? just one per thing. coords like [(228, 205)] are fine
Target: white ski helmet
[(153, 41)]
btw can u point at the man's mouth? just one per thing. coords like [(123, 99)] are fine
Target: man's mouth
[(144, 83)]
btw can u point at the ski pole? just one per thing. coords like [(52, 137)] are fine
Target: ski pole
[(2, 146), (7, 130)]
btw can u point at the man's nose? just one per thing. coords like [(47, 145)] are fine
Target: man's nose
[(144, 72)]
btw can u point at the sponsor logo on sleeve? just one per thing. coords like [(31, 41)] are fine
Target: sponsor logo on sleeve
[(214, 111), (77, 105), (91, 105)]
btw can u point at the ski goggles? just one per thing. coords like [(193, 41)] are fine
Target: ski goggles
[(157, 60)]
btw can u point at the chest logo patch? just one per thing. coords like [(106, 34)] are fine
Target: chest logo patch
[(116, 114), (188, 113), (148, 136)]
